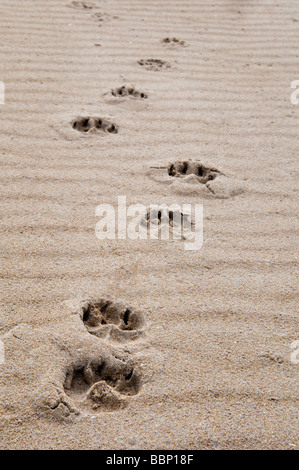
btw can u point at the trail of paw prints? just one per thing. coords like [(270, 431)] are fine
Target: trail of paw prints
[(87, 124), (173, 42), (112, 320), (128, 92), (154, 65)]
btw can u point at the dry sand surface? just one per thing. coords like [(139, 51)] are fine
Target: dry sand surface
[(128, 344)]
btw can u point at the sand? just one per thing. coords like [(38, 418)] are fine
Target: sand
[(141, 344)]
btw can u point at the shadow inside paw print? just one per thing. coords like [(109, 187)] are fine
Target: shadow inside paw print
[(89, 123), (202, 172), (125, 91), (104, 318), (154, 64)]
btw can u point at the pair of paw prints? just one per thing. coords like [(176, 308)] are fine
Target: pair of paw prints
[(91, 371), (88, 6), (89, 123), (128, 91), (106, 382), (154, 65)]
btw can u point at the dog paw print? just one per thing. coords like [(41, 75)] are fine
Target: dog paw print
[(86, 375), (195, 177), (270, 357), (102, 18), (154, 65), (160, 215), (114, 320), (167, 222), (83, 5), (183, 169), (130, 92), (87, 124), (173, 42), (210, 178), (103, 384)]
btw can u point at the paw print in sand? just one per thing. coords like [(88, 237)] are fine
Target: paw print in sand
[(202, 172), (83, 5), (128, 91), (87, 124), (113, 320), (91, 376), (173, 41), (154, 65), (102, 384)]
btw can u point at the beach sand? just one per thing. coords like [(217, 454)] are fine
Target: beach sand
[(188, 349)]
